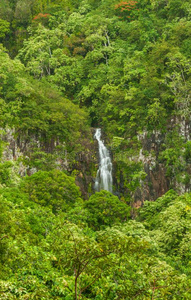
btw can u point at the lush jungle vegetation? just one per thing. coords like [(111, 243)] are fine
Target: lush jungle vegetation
[(67, 66)]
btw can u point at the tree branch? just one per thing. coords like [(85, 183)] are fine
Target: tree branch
[(5, 236)]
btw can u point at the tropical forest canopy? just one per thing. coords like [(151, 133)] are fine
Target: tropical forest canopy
[(67, 67)]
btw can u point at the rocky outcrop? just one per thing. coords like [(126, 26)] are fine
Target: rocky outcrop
[(20, 147), (157, 181), (85, 166), (82, 165)]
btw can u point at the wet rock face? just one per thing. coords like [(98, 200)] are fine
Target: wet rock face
[(11, 151), (86, 167), (21, 146), (85, 164), (156, 183)]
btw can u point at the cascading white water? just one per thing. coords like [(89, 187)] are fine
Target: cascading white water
[(104, 174)]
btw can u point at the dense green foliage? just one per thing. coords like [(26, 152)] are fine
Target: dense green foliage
[(66, 65), (105, 209), (121, 61), (53, 189), (92, 251)]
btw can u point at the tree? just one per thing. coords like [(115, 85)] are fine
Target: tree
[(105, 209), (125, 9), (6, 12), (23, 14), (179, 83), (4, 28), (53, 189), (85, 258)]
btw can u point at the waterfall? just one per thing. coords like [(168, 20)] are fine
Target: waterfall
[(104, 174)]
